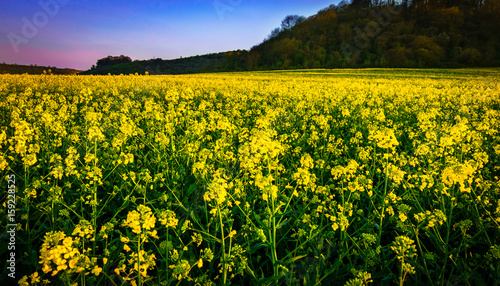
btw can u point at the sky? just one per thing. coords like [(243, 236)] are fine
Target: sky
[(76, 33)]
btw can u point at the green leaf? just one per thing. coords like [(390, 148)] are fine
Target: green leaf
[(293, 259), (282, 224)]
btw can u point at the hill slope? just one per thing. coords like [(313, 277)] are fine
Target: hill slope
[(359, 34), (372, 33), (227, 61), (22, 69)]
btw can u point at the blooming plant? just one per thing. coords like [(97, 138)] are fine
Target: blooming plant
[(261, 178)]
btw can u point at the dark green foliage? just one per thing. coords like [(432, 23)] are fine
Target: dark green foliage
[(111, 60), (227, 61), (364, 33), (22, 69)]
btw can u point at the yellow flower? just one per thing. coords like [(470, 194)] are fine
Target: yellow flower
[(96, 270), (217, 189), (95, 134), (72, 263), (335, 226), (232, 233), (404, 248), (153, 234), (30, 159), (384, 138), (402, 217), (168, 219), (143, 219), (23, 281)]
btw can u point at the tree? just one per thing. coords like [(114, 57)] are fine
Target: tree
[(290, 21), (286, 48), (274, 34), (470, 56), (253, 60), (361, 4), (398, 57), (110, 60)]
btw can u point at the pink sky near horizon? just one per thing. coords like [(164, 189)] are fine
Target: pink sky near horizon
[(27, 55)]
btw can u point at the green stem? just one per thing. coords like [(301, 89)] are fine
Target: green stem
[(383, 204), (139, 260), (26, 171), (94, 205), (274, 254), (223, 245), (448, 231), (287, 205), (166, 256), (401, 280), (67, 278), (422, 254)]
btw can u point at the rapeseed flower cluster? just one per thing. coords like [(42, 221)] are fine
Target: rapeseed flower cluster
[(62, 253), (140, 220)]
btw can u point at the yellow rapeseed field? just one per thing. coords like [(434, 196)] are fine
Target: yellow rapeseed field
[(332, 177)]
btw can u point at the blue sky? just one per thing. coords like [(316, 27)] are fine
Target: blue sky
[(75, 33)]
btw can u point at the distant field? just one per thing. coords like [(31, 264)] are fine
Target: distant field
[(333, 177)]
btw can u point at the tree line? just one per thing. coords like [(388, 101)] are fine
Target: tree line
[(359, 33), (377, 33)]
